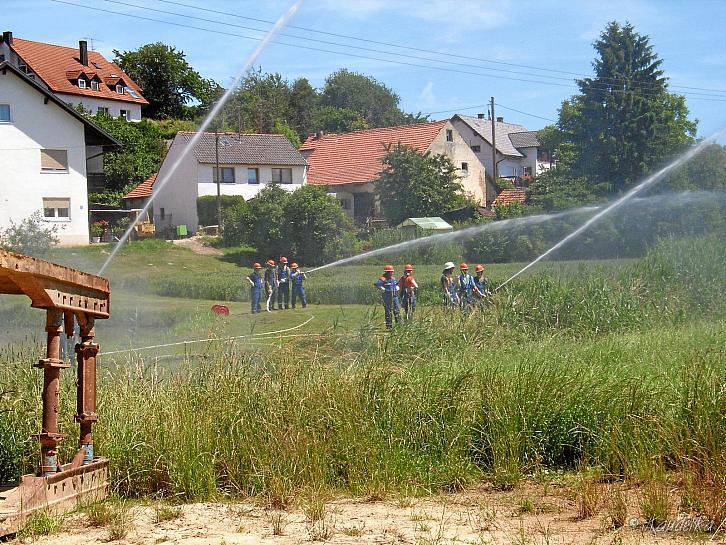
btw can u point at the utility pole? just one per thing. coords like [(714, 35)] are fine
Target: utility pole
[(494, 145), (216, 176)]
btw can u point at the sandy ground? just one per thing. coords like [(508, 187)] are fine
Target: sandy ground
[(531, 515), (195, 245)]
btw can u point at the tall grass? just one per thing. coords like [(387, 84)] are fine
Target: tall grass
[(530, 383)]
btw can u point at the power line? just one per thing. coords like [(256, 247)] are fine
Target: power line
[(410, 48), (367, 49), (478, 106), (367, 57), (526, 113)]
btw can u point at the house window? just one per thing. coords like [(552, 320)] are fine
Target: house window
[(449, 135), (253, 176), (282, 175), (476, 148), (81, 83), (227, 176), (527, 171), (465, 168), (2, 58), (120, 89), (5, 113), (57, 208), (125, 114), (94, 85), (54, 160), (345, 204), (102, 110)]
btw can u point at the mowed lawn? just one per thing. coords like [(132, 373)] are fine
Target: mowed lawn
[(162, 294)]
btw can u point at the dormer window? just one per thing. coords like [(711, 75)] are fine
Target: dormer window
[(120, 89), (81, 83), (94, 85)]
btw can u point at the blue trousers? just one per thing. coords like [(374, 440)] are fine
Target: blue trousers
[(408, 302), (299, 291), (256, 295), (392, 308), (283, 295)]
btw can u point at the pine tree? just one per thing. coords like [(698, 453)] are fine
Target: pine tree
[(625, 121)]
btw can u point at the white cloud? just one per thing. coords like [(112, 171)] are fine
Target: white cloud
[(427, 98), (452, 16)]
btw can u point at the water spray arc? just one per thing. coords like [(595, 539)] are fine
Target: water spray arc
[(161, 182), (649, 181)]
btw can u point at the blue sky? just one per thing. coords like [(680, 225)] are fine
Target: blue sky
[(553, 35)]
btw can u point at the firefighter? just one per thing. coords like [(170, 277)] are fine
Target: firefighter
[(448, 286), (283, 290), (466, 288), (298, 290), (480, 284), (255, 281), (408, 286), (271, 284), (388, 286)]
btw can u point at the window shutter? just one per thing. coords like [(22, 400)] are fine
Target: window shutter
[(53, 159), (56, 203)]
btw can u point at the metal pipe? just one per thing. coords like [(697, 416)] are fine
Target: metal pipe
[(86, 415), (49, 436)]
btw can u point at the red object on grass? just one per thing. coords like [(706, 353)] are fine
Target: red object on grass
[(222, 310)]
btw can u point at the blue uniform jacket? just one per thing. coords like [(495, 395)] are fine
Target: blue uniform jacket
[(466, 285), (256, 281), (389, 285), (297, 278)]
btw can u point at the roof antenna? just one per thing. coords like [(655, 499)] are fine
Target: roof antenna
[(91, 41)]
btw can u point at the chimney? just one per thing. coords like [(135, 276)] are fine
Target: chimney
[(83, 52), (480, 116), (319, 135), (500, 120), (8, 37)]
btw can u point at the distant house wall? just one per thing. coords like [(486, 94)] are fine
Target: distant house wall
[(176, 202), (473, 179), (36, 125), (114, 107)]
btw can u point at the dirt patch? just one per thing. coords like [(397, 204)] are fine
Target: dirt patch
[(534, 514), (196, 246)]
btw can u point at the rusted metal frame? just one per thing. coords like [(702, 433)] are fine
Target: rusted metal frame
[(51, 365), (86, 416)]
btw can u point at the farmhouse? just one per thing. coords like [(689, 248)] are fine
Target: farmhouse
[(44, 149), (520, 155), (76, 75), (247, 163), (348, 164)]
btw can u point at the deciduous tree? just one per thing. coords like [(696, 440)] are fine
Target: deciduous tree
[(168, 82), (414, 184)]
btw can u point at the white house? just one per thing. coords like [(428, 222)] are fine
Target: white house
[(76, 75), (44, 147), (348, 164), (519, 152), (247, 162)]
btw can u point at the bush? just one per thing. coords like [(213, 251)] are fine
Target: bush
[(32, 236), (207, 207)]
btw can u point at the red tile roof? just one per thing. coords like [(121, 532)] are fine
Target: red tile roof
[(355, 157), (56, 65), (509, 196), (144, 189)]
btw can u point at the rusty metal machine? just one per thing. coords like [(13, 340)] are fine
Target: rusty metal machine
[(69, 298)]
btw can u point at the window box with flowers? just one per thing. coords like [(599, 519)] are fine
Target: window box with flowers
[(97, 230)]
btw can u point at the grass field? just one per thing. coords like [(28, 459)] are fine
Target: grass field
[(613, 367)]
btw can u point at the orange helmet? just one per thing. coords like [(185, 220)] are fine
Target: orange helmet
[(479, 267), (271, 262), (293, 265), (464, 266), (256, 265), (388, 268), (283, 259), (408, 267)]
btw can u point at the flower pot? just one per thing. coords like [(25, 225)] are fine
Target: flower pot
[(95, 239)]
